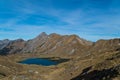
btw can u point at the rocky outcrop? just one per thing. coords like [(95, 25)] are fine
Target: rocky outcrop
[(104, 74)]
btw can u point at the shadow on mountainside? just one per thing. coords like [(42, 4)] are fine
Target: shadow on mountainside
[(2, 75), (105, 74)]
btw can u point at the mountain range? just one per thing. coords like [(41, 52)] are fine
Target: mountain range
[(89, 60), (57, 44)]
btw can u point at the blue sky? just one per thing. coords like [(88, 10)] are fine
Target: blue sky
[(90, 19)]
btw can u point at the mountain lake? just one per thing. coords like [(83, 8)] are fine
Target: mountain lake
[(42, 61)]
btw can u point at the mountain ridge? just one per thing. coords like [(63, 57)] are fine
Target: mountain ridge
[(54, 43), (49, 41)]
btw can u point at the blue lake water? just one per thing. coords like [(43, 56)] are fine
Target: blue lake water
[(40, 61)]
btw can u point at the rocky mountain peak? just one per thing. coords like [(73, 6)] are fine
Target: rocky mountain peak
[(43, 34)]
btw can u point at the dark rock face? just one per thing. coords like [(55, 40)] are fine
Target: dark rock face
[(105, 74)]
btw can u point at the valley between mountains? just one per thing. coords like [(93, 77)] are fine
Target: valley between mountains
[(87, 60)]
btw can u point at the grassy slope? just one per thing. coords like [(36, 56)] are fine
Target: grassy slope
[(65, 71)]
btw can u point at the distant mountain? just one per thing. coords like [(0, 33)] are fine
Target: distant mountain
[(58, 45), (33, 44), (12, 47), (105, 45), (4, 43)]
